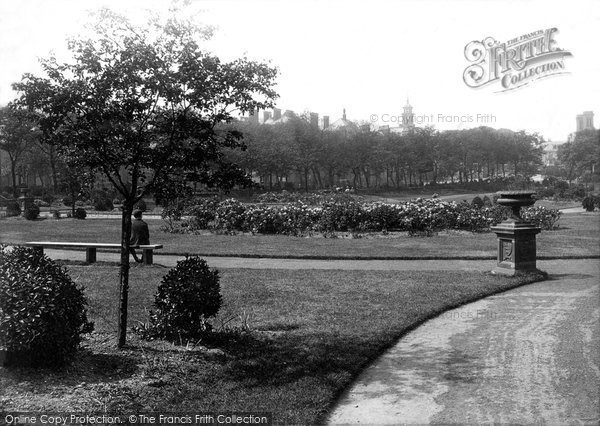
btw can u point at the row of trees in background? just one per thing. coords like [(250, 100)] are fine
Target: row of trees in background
[(579, 158), (310, 158), (28, 158), (314, 158)]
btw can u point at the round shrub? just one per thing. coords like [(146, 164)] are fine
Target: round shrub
[(32, 212), (80, 213), (187, 296), (42, 311), (67, 201), (140, 205), (229, 215), (477, 202), (487, 202), (590, 202), (13, 209), (202, 213), (103, 204)]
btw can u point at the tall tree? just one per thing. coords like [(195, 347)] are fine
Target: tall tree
[(18, 133), (142, 106)]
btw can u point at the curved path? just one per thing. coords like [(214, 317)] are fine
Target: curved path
[(530, 355)]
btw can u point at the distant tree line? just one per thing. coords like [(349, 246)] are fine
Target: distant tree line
[(579, 158), (311, 158)]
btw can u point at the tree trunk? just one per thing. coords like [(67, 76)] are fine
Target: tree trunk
[(13, 173), (124, 273), (306, 179)]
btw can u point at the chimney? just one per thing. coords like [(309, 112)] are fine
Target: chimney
[(325, 121), (288, 113), (314, 119), (276, 113), (266, 116)]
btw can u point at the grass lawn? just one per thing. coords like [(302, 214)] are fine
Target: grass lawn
[(311, 333), (578, 235)]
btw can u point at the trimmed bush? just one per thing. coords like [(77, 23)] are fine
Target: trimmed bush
[(477, 202), (103, 204), (80, 213), (187, 297), (32, 212), (140, 205), (487, 202), (42, 311), (13, 209), (590, 202)]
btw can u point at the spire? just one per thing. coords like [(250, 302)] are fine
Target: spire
[(344, 115)]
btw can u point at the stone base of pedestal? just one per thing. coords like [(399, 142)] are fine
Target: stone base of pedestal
[(516, 248), (25, 202)]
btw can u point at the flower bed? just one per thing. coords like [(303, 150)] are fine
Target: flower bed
[(415, 217)]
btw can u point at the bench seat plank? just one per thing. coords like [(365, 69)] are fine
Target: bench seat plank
[(90, 248)]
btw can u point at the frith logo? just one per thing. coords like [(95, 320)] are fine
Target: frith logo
[(514, 63)]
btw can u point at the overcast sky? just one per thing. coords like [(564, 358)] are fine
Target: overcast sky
[(365, 56)]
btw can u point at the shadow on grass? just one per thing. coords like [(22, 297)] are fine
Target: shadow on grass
[(88, 366), (556, 277), (262, 361)]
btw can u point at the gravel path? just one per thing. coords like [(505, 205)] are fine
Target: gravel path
[(530, 355), (269, 263)]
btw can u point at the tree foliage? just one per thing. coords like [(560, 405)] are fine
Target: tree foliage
[(366, 158), (144, 106)]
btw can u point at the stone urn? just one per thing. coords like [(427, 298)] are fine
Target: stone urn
[(516, 237), (515, 200)]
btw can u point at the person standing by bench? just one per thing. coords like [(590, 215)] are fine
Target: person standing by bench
[(140, 234)]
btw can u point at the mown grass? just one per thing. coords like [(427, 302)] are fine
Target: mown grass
[(311, 333), (578, 235)]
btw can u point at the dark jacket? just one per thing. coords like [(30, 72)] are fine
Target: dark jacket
[(139, 233)]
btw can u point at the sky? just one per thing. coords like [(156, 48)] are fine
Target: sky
[(365, 56)]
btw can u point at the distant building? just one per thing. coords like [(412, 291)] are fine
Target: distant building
[(343, 125), (405, 123), (585, 121)]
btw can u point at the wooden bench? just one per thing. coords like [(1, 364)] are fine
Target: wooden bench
[(90, 248)]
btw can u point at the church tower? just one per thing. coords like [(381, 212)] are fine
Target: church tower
[(408, 118)]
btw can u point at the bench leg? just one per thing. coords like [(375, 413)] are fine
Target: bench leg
[(147, 256), (90, 254)]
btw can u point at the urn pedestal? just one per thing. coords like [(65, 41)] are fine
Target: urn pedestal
[(24, 199), (516, 237)]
